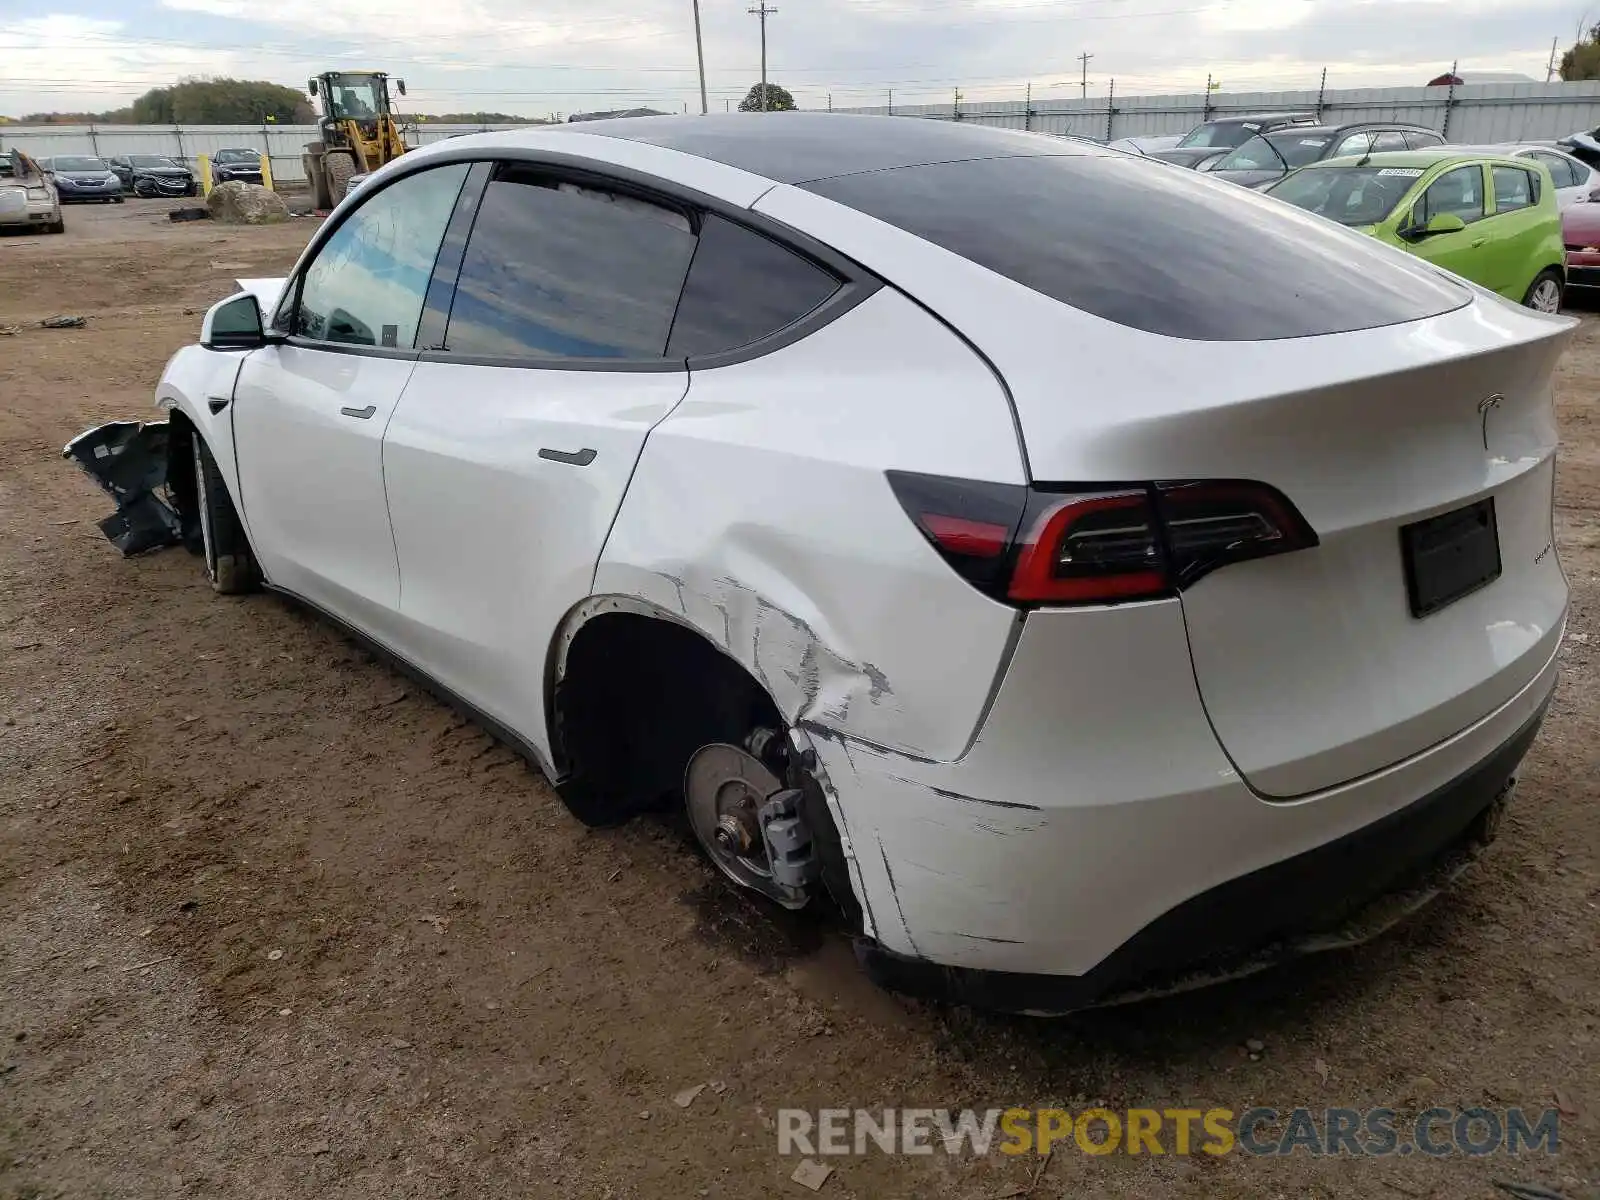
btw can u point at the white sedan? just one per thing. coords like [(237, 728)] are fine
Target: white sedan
[(1576, 182), (1080, 570)]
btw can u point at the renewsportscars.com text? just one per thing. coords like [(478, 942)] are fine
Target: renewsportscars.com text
[(1261, 1132)]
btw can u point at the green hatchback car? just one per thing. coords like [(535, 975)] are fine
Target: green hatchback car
[(1488, 218)]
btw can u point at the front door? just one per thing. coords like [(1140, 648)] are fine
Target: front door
[(310, 413), (1460, 192)]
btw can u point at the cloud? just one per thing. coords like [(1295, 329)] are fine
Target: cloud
[(569, 55)]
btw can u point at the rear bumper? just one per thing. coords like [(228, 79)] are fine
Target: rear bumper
[(1096, 834), (1583, 270), (1300, 905)]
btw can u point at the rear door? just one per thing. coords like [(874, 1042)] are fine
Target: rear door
[(1517, 228), (580, 307), (515, 438), (309, 413)]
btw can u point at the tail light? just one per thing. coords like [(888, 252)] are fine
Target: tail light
[(1101, 545)]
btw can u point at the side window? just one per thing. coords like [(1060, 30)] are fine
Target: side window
[(1356, 143), (366, 285), (1561, 172), (1390, 139), (742, 287), (1421, 141), (1459, 192), (1514, 188), (557, 269)]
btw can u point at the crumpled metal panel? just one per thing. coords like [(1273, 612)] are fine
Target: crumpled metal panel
[(128, 459)]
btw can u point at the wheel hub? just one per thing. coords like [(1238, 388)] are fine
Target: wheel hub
[(724, 789)]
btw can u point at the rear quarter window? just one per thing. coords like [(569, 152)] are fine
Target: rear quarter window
[(742, 287), (1164, 251)]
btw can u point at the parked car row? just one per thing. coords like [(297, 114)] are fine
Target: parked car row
[(1491, 213), (82, 177)]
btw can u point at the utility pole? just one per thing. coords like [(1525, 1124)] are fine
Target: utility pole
[(1084, 59), (763, 10), (700, 56), (1550, 71), (891, 102)]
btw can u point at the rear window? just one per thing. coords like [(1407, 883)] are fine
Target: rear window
[(1220, 133), (1165, 251)]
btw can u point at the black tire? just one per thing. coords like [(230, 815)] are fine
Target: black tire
[(143, 188), (57, 226), (230, 566), (116, 199), (341, 166), (1540, 289)]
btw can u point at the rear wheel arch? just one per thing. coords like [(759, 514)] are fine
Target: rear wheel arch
[(616, 661), (634, 691)]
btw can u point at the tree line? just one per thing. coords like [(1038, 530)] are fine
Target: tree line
[(235, 102)]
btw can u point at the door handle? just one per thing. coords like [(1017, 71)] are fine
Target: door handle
[(360, 414), (579, 458)]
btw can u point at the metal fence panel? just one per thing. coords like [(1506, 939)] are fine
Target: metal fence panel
[(1493, 112), (1496, 112)]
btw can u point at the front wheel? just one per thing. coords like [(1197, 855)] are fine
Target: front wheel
[(1544, 294), (143, 188), (230, 567)]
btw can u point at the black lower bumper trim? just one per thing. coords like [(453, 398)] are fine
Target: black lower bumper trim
[(1238, 920)]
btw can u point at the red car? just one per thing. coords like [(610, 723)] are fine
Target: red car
[(1580, 229)]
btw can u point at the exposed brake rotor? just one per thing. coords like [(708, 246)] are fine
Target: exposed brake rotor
[(749, 824)]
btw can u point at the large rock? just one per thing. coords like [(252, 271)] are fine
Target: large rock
[(239, 203)]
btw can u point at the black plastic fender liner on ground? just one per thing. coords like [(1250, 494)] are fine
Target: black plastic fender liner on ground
[(128, 460)]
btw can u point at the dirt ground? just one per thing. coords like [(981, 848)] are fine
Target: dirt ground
[(274, 923)]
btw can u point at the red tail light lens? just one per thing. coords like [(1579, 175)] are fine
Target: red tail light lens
[(1213, 523), (1101, 545), (1090, 550)]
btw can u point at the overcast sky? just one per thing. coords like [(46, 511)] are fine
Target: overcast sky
[(540, 56)]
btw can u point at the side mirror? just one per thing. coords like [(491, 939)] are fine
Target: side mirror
[(233, 324), (401, 84), (311, 88), (1437, 224)]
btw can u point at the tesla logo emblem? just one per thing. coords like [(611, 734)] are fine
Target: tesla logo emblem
[(1485, 406)]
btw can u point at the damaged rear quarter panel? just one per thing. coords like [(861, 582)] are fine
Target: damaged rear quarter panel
[(760, 513)]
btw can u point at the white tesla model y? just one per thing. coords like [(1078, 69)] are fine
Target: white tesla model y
[(1089, 576)]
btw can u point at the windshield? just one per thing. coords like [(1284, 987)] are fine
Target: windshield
[(1348, 195), (237, 156), (70, 163), (1276, 152), (149, 160), (355, 96), (1219, 133)]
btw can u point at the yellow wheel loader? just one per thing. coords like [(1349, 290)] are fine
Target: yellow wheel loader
[(358, 131)]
